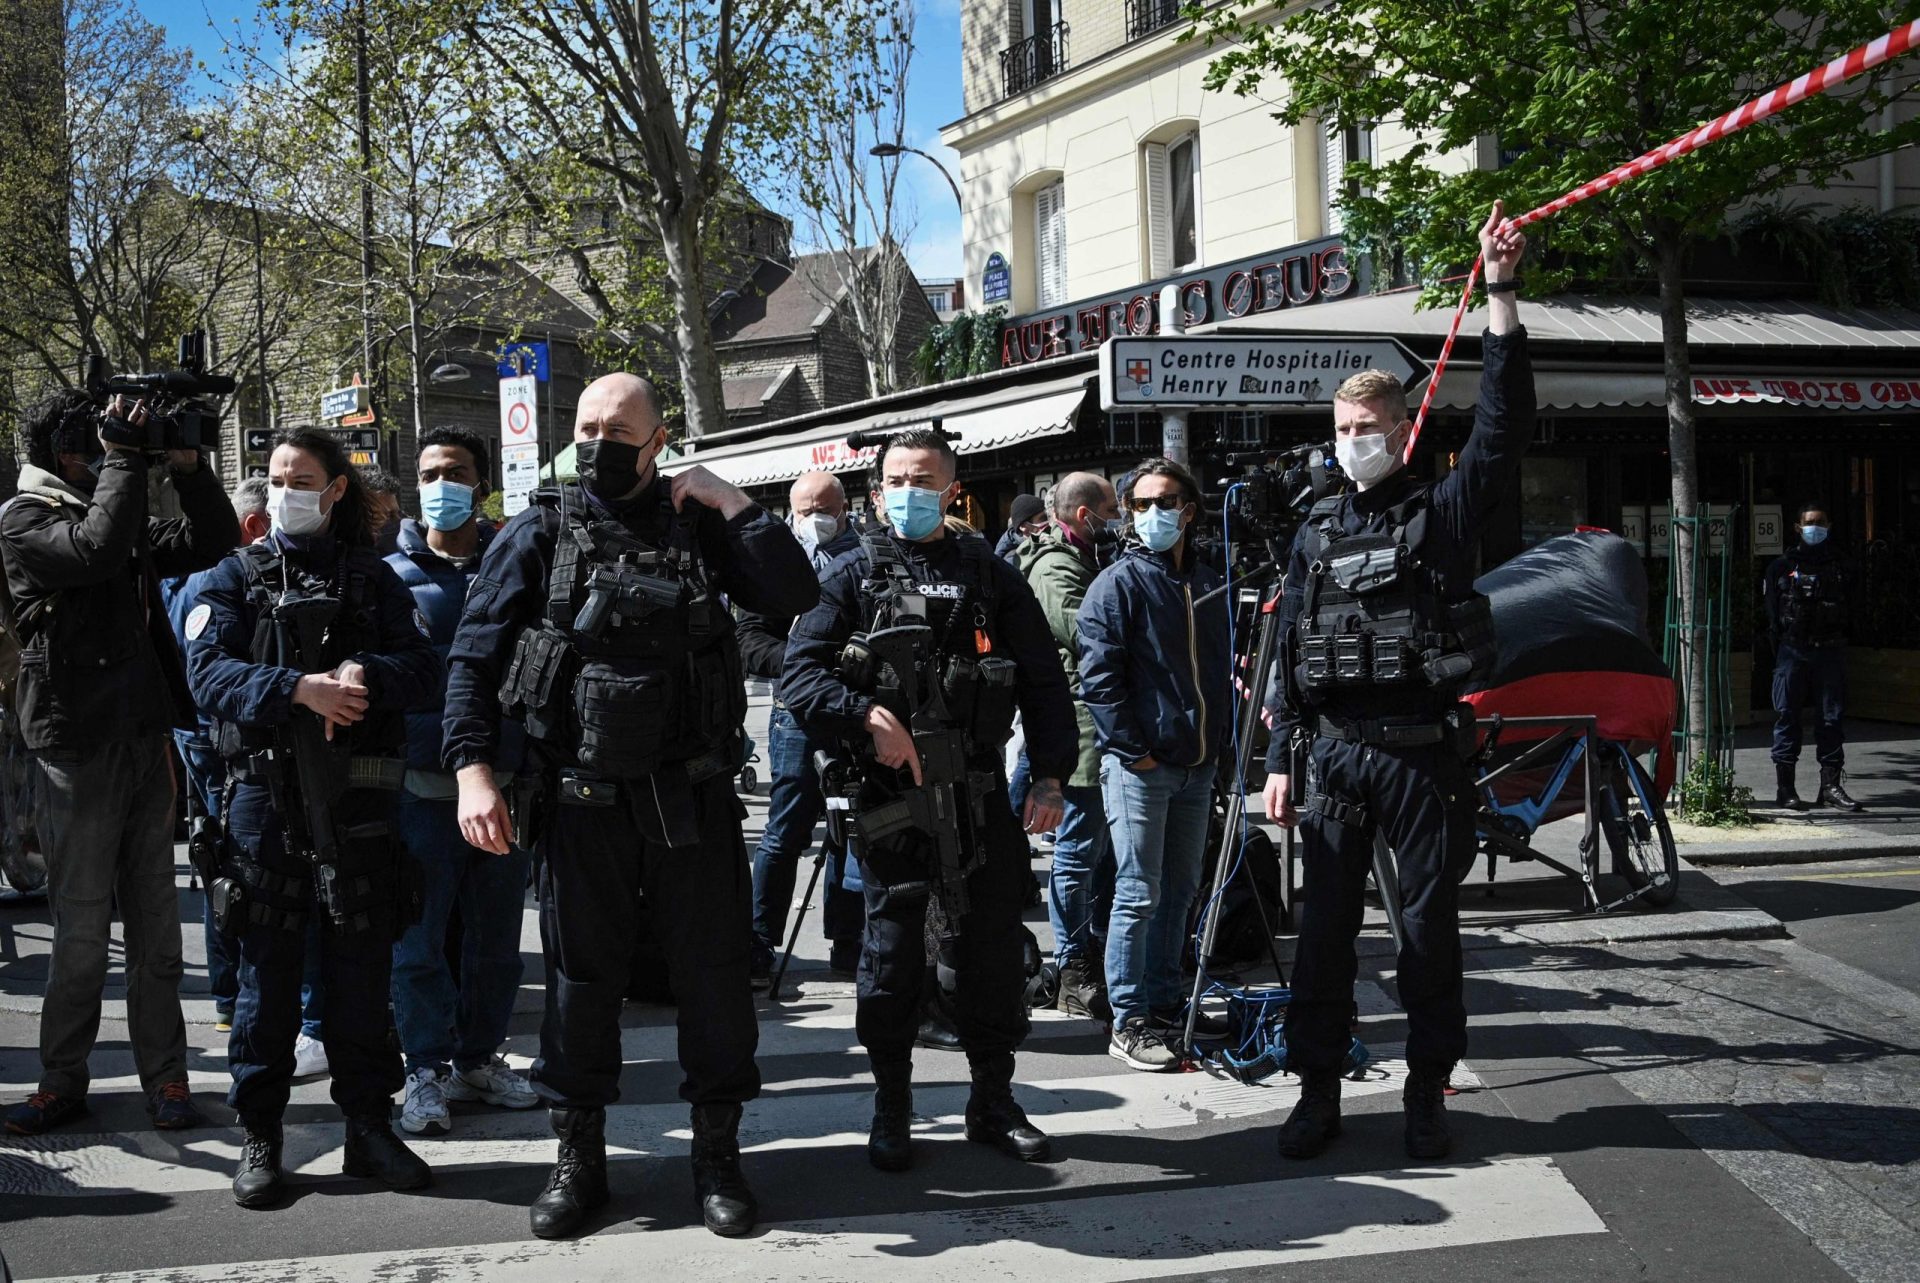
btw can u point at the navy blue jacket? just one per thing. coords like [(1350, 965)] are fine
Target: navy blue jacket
[(826, 707), (763, 638), (228, 686), (1459, 503), (1155, 670), (439, 591), (754, 559)]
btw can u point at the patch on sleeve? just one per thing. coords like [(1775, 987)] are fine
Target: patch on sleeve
[(197, 620), (420, 622)]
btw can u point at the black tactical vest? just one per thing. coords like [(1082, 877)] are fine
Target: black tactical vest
[(1813, 603), (635, 663), (1373, 615)]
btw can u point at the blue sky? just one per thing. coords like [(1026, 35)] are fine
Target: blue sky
[(933, 99)]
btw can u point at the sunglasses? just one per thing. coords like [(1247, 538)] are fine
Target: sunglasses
[(1164, 502)]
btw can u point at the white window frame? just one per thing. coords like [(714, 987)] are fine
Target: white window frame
[(1341, 148), (1050, 244), (1158, 214)]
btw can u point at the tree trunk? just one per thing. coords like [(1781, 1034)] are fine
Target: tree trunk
[(1692, 649), (700, 390)]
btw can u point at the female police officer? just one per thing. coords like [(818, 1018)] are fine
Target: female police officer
[(305, 649)]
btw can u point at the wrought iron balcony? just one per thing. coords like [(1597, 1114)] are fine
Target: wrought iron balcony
[(1041, 56), (1144, 17)]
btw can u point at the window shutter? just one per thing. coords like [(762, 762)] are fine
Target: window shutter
[(1050, 243), (1336, 166), (1159, 214)]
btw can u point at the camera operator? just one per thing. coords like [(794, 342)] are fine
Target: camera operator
[(1060, 564), (101, 689), (597, 620), (974, 608), (1384, 630), (818, 515)]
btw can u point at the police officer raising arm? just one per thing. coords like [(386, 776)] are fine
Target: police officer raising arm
[(1384, 630), (597, 621), (306, 650), (954, 639)]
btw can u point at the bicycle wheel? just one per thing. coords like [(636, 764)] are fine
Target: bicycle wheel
[(1637, 832)]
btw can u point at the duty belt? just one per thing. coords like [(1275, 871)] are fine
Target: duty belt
[(384, 774), (1387, 732)]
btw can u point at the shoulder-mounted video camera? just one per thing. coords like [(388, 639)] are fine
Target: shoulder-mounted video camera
[(179, 415), (1273, 490)]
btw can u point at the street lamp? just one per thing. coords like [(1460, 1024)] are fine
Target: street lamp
[(887, 151), (441, 375)]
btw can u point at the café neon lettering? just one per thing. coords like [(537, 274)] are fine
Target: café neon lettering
[(1314, 274)]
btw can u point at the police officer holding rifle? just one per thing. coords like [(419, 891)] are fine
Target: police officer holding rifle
[(306, 650), (1384, 630), (922, 647), (597, 620)]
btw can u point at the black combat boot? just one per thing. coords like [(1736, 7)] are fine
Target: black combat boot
[(1425, 1098), (1833, 793), (889, 1143), (373, 1150), (259, 1183), (1315, 1121), (726, 1204), (579, 1180), (1785, 794), (995, 1118)]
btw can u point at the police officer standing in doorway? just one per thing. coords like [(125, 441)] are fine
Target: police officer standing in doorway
[(597, 620), (306, 651), (1807, 613), (983, 640), (1384, 629)]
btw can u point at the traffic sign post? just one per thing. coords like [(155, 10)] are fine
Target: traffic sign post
[(519, 476), (1242, 371), (519, 411), (342, 402)]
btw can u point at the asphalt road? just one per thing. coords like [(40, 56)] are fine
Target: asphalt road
[(1865, 913)]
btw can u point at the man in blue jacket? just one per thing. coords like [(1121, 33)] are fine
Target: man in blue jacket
[(1155, 673), (451, 1032)]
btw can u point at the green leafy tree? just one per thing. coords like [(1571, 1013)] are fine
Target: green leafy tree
[(1561, 91)]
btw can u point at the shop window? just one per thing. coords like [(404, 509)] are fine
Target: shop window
[(1346, 145), (1134, 430), (1050, 244), (1173, 205), (1553, 498)]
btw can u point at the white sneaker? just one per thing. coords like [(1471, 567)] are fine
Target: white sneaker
[(493, 1083), (309, 1056), (424, 1112)]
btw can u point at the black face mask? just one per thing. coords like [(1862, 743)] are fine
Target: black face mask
[(608, 469)]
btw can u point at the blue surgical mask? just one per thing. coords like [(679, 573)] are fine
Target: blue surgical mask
[(913, 512), (446, 505), (1158, 528), (1812, 535)]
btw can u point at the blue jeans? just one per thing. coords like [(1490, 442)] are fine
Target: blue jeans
[(1158, 819), (1080, 890), (794, 806), (441, 1024), (1020, 783)]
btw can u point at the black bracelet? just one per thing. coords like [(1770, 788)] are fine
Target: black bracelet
[(1504, 287)]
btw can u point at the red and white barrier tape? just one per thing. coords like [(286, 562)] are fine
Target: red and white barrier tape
[(1868, 56)]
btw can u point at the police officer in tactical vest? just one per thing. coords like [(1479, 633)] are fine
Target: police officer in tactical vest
[(1384, 630), (1806, 595), (922, 647), (597, 619), (306, 650)]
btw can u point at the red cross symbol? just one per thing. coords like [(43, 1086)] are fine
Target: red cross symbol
[(1139, 371)]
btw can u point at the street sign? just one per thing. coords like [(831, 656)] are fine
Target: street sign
[(257, 440), (1242, 370), (341, 402), (519, 411), (359, 438), (257, 470), (362, 458), (357, 420), (516, 359), (519, 475)]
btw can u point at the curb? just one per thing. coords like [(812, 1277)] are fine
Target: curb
[(1832, 851)]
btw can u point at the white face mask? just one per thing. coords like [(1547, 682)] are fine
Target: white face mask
[(817, 529), (297, 512), (1366, 459)]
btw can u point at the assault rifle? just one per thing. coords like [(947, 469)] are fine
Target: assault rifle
[(309, 775)]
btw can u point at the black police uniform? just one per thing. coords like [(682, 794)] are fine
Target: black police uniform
[(973, 600), (634, 721), (238, 682), (1387, 740), (1807, 600)]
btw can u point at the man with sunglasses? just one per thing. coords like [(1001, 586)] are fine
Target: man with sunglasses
[(982, 615), (1154, 670), (1384, 630)]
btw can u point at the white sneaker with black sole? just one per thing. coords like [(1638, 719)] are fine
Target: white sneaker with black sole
[(1138, 1045), (309, 1056), (493, 1083), (424, 1112)]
